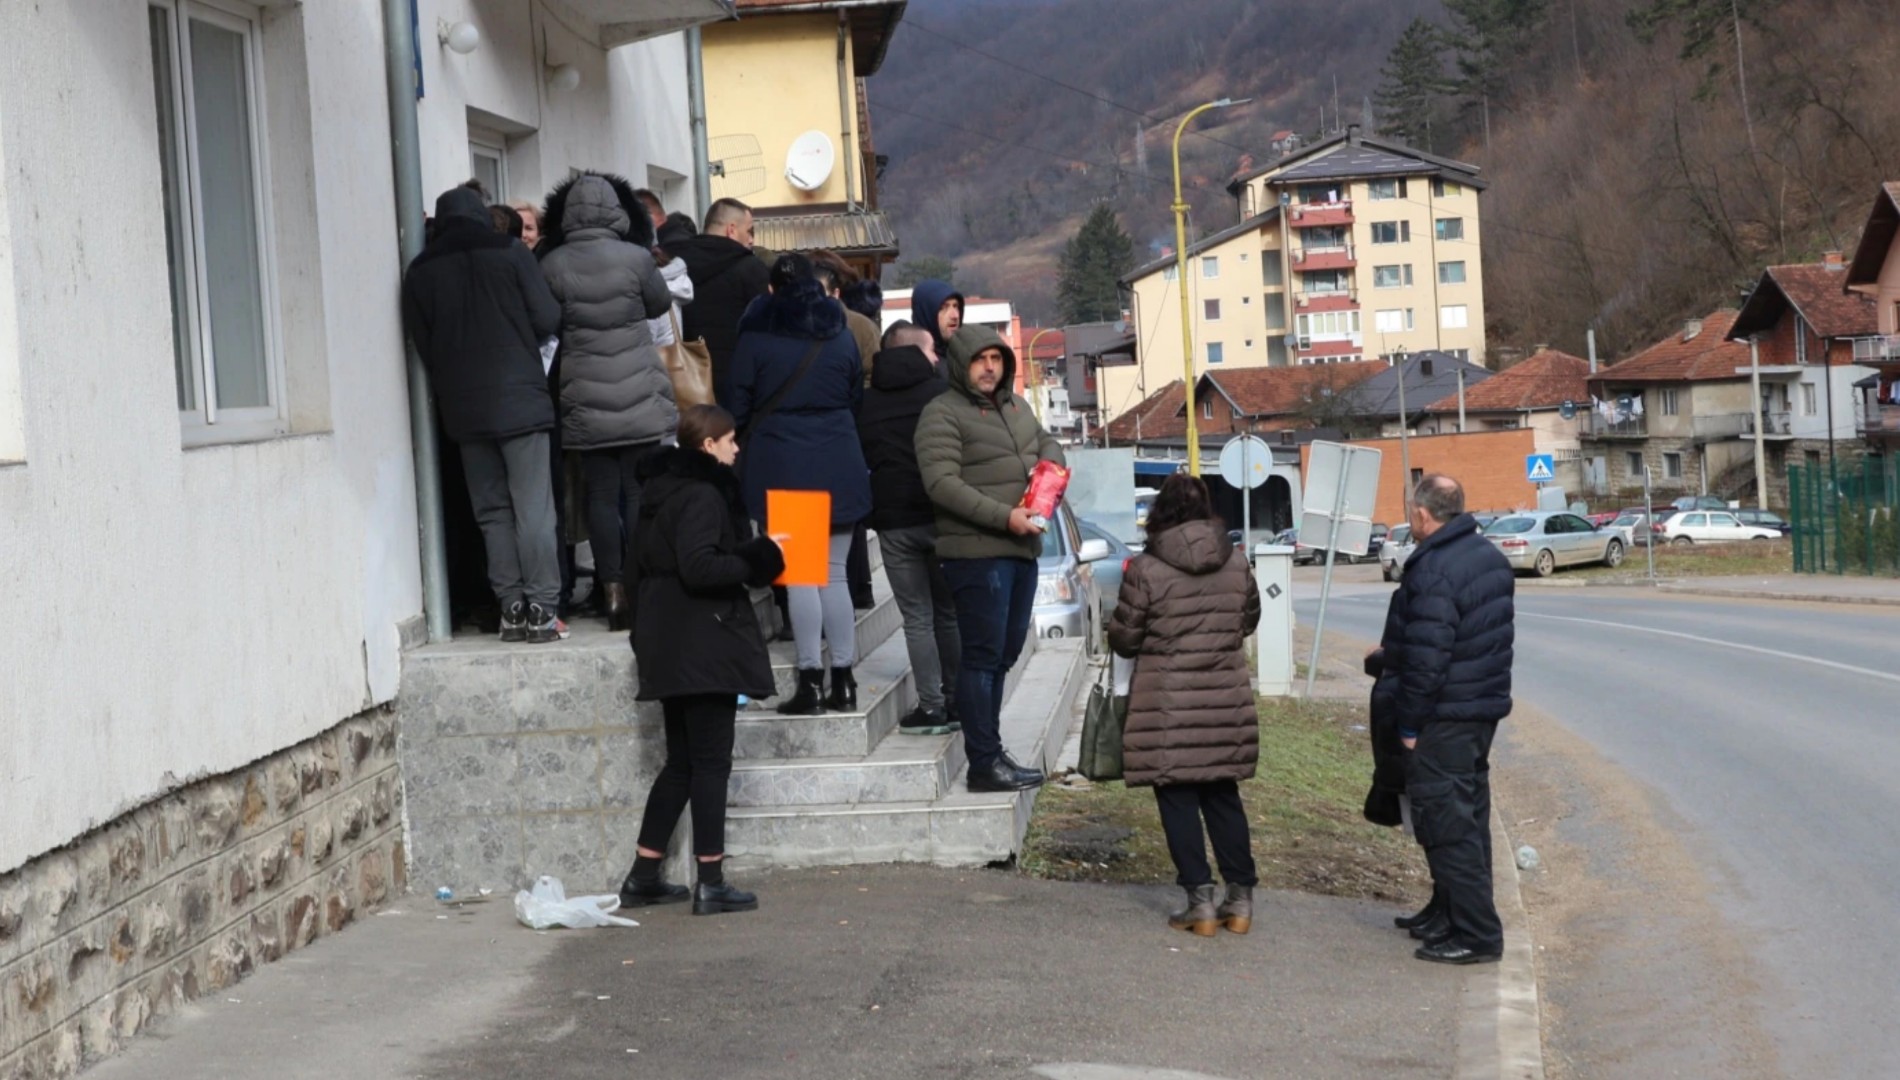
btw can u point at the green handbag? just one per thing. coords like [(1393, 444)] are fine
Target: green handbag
[(1102, 731)]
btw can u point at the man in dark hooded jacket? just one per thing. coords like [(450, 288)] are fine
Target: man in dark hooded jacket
[(1446, 681), (904, 379), (476, 306), (727, 277), (937, 307)]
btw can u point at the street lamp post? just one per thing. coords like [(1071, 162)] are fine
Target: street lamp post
[(1033, 371), (1181, 272)]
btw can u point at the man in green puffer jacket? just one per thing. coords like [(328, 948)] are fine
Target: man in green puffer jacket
[(976, 445)]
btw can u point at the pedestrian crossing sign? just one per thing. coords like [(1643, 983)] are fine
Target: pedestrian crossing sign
[(1540, 468)]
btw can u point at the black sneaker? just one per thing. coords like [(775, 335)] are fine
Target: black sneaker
[(544, 626), (514, 621), (922, 721)]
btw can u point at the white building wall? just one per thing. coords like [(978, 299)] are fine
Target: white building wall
[(181, 612)]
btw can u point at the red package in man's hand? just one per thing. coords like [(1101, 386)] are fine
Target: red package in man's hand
[(1047, 482)]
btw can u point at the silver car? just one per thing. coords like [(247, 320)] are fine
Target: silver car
[(1392, 554), (1107, 571), (1068, 603), (1542, 540)]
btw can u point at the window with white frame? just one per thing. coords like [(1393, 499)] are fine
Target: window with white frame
[(1670, 402), (1391, 232), (1446, 189), (1207, 408), (1210, 266), (1171, 272), (1216, 352), (1451, 273), (488, 162), (1210, 310), (1807, 399), (209, 113), (1392, 320), (1454, 317), (1450, 228), (1392, 277), (1385, 189)]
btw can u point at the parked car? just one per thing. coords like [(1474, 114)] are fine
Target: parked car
[(1602, 519), (1485, 518), (1766, 519), (1108, 571), (1393, 553), (1068, 604), (1699, 502), (1639, 523), (1379, 533), (1302, 556), (1540, 541), (1710, 527)]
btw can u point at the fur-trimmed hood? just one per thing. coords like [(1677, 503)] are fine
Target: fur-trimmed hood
[(554, 224), (805, 312)]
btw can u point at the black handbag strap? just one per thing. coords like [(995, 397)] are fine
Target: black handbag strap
[(778, 396)]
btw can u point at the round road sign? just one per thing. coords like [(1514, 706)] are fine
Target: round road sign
[(1246, 462)]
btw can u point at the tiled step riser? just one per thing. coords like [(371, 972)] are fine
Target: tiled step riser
[(920, 780), (762, 736)]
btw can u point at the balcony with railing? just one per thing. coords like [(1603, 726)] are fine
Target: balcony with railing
[(1314, 214), (1875, 419), (1314, 300), (1725, 426), (1775, 424), (1880, 349), (1610, 427), (1324, 257)]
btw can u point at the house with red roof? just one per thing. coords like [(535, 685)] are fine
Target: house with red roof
[(1810, 334), (1680, 408), (1874, 273)]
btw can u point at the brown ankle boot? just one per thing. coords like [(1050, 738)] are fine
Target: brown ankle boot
[(1236, 912), (1198, 915)]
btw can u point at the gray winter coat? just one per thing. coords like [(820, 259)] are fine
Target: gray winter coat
[(614, 387)]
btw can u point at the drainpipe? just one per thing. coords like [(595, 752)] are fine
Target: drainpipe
[(847, 147), (405, 149), (696, 90)]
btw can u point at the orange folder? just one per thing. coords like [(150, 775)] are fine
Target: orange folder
[(801, 523)]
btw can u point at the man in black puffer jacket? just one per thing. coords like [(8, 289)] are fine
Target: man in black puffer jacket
[(1447, 678), (477, 307), (727, 277), (904, 379)]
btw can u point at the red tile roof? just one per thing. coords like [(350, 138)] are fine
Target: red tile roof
[(1816, 292), (1157, 417), (1261, 392), (1051, 347), (1544, 380), (1706, 356)]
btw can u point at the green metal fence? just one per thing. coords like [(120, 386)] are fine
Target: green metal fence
[(1846, 517)]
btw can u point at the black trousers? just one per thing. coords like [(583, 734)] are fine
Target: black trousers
[(1448, 777), (610, 475), (857, 568), (1183, 807), (699, 733)]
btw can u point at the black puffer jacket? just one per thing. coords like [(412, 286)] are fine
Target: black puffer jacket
[(694, 630), (727, 277), (614, 387), (903, 381), (477, 308), (1449, 632)]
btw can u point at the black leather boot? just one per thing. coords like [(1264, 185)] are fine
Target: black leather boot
[(712, 896), (644, 886), (618, 613), (809, 699), (844, 691)]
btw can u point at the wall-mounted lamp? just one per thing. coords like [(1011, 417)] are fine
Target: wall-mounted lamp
[(564, 78), (462, 37)]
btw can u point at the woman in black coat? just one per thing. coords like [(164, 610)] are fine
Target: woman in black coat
[(698, 647), (797, 383)]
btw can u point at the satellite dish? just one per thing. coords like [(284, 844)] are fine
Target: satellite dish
[(738, 166), (809, 162)]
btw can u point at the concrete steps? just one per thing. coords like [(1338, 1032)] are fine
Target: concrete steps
[(956, 827)]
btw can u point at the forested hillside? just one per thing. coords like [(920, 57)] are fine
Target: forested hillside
[(1629, 188)]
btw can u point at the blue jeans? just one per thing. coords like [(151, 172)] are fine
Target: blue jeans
[(995, 599)]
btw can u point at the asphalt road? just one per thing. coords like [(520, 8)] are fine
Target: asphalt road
[(1766, 728)]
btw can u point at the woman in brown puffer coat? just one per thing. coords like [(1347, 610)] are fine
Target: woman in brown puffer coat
[(1185, 610)]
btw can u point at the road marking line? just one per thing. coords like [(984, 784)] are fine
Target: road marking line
[(1815, 660)]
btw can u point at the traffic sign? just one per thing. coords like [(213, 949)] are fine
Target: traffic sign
[(1342, 486), (1540, 468), (1246, 462)]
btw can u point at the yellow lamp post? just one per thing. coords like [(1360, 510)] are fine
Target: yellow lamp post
[(1032, 372), (1181, 272)]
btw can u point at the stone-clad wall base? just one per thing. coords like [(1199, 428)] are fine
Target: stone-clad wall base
[(190, 893)]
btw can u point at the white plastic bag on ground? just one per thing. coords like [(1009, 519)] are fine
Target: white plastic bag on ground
[(549, 905)]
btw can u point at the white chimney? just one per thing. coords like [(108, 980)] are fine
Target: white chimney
[(1690, 328)]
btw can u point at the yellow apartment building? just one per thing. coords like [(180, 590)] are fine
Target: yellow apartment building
[(1237, 293), (787, 125), (1384, 249), (1352, 248)]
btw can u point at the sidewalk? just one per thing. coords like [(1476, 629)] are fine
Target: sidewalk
[(1826, 588), (874, 972)]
